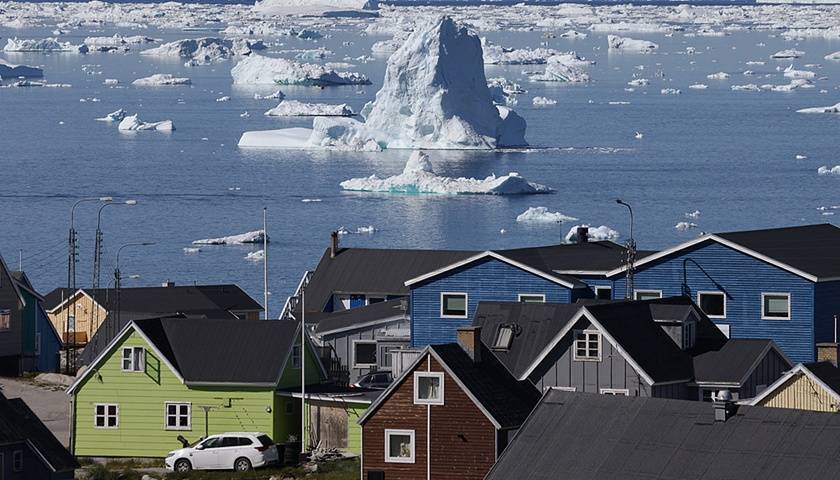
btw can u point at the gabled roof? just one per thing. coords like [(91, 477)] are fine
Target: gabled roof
[(361, 317), (15, 286), (584, 258), (609, 437), (823, 374), (19, 424), (504, 400), (24, 284), (811, 251), (162, 299), (734, 362)]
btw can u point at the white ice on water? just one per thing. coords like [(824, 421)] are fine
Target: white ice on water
[(10, 70), (249, 237), (205, 50), (133, 123), (274, 8), (824, 170), (543, 102), (257, 256), (161, 79), (260, 70), (43, 45), (595, 233), (829, 109), (115, 116), (626, 44), (294, 108), (543, 215), (683, 226), (563, 68)]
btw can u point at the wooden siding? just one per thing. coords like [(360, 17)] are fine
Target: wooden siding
[(802, 393), (462, 439), (771, 368), (484, 280), (395, 333), (335, 424), (10, 340), (744, 278), (89, 317)]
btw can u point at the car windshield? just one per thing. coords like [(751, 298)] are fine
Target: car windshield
[(212, 442)]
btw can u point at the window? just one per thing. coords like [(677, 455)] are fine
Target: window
[(713, 304), (603, 293), (364, 353), (453, 305), (71, 323), (106, 415), (531, 298), (775, 306), (384, 357), (5, 319), (689, 328), (587, 345), (212, 442), (647, 294), (615, 391), (504, 337), (296, 356), (372, 300), (428, 388), (17, 461), (133, 359), (399, 446), (178, 416)]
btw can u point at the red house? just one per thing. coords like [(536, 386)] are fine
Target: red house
[(448, 416)]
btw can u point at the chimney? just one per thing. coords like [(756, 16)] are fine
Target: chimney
[(582, 234), (469, 338), (724, 406), (333, 244), (828, 352), (168, 283)]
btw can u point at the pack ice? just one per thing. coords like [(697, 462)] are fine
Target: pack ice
[(418, 177), (434, 96), (161, 79), (205, 50), (329, 8), (293, 108), (260, 70), (43, 45)]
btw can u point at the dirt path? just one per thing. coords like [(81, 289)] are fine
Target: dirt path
[(51, 404)]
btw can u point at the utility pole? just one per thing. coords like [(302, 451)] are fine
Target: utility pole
[(117, 278), (302, 370), (265, 262), (631, 255), (97, 253)]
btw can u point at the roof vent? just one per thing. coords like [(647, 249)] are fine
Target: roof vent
[(724, 406), (582, 234)]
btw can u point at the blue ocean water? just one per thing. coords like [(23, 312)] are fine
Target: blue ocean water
[(728, 154)]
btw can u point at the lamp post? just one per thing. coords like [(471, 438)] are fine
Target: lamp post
[(71, 276), (117, 279), (631, 254), (97, 252)]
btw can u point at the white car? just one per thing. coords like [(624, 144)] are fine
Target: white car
[(239, 451)]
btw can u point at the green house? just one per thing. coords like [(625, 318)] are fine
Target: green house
[(165, 378)]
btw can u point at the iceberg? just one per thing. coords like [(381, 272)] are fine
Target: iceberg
[(260, 70), (830, 109), (563, 68), (418, 177), (257, 256), (293, 108), (790, 53), (206, 50), (44, 45), (160, 79), (9, 70), (698, 86), (542, 215), (116, 116), (496, 55), (249, 237), (833, 56), (595, 234), (791, 72), (543, 101), (684, 226), (316, 8), (626, 44), (718, 76), (829, 170), (133, 123)]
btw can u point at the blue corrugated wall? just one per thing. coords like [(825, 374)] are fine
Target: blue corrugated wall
[(744, 278), (826, 306), (485, 280)]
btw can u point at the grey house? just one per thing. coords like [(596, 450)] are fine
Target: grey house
[(12, 305), (656, 348)]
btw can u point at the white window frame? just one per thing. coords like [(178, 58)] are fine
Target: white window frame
[(177, 415), (714, 292), (421, 401), (540, 295), (636, 292), (602, 287), (380, 356), (364, 365), (7, 312), (132, 367), (17, 461), (106, 405), (388, 458), (466, 304), (296, 357), (779, 294), (615, 391), (574, 345)]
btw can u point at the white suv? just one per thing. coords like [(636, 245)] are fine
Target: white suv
[(239, 451)]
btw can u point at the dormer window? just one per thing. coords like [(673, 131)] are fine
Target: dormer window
[(689, 334), (504, 337)]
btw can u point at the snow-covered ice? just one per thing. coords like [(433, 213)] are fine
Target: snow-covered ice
[(563, 68), (829, 109), (829, 170), (788, 53), (133, 123), (718, 76), (44, 45), (627, 44), (331, 8), (791, 72), (257, 256), (257, 69), (543, 101), (205, 50), (249, 237), (683, 226), (294, 108), (542, 215), (114, 116), (595, 233), (161, 79)]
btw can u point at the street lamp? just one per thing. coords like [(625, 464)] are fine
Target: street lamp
[(117, 279), (97, 252), (631, 253)]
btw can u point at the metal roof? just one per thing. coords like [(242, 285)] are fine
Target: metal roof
[(18, 424), (734, 361), (164, 299), (344, 320)]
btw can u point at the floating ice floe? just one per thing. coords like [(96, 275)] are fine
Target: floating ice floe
[(626, 44), (670, 91), (115, 43), (161, 79), (830, 109), (249, 237), (698, 86), (133, 123), (277, 95), (504, 91), (694, 214), (257, 70), (43, 45), (789, 53), (793, 85), (542, 215), (718, 76), (116, 116), (223, 99), (749, 87), (496, 55), (829, 170), (563, 68), (833, 56), (293, 108), (683, 226), (418, 177), (791, 72), (110, 82), (543, 102), (9, 70), (257, 256), (310, 8), (799, 156), (594, 233), (639, 82), (206, 50), (434, 96), (573, 34), (191, 250)]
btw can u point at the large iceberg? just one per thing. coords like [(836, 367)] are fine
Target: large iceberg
[(593, 233), (9, 70), (329, 8), (542, 215), (132, 123), (43, 45), (256, 236), (205, 50), (260, 70), (418, 177), (293, 108), (563, 68), (630, 45), (161, 79)]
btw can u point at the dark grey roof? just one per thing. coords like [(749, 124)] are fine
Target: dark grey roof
[(358, 317), (814, 249), (506, 399), (606, 437), (19, 424), (223, 351), (827, 373), (165, 299), (373, 271), (587, 256), (733, 362)]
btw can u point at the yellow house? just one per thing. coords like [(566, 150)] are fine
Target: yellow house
[(808, 386), (77, 317)]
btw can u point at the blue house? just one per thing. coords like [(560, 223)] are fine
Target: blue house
[(41, 343), (782, 284)]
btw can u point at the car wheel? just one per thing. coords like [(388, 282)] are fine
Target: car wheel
[(183, 466), (242, 464)]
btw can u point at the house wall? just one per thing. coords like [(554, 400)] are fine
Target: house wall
[(460, 442), (744, 278), (486, 280), (396, 333), (141, 397), (770, 369), (335, 424), (47, 360), (802, 393), (89, 317), (33, 467), (29, 329), (826, 306), (11, 346)]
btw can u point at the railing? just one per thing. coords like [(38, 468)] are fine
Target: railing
[(293, 301), (336, 372)]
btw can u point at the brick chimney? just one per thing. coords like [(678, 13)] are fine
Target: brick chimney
[(828, 352), (582, 234), (469, 338), (333, 244), (724, 406)]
